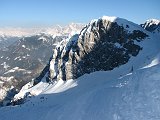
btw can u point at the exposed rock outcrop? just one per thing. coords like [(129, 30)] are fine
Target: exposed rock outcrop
[(152, 25), (102, 45)]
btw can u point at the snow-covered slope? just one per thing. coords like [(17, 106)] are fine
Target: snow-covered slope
[(96, 96), (126, 91), (133, 51)]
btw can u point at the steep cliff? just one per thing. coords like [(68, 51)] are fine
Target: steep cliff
[(102, 45)]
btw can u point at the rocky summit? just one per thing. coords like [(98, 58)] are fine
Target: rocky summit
[(152, 25), (102, 45)]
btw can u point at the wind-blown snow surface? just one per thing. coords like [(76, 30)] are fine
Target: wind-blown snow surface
[(97, 96), (112, 95)]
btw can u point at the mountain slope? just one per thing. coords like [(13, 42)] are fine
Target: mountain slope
[(117, 43), (100, 95), (127, 88), (102, 45), (23, 58), (23, 61), (5, 41)]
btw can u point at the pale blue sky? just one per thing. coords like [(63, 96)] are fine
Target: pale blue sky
[(34, 13)]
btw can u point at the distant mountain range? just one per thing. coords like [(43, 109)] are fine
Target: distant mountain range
[(55, 30), (23, 58)]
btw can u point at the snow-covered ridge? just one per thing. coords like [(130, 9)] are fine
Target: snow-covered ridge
[(153, 21), (110, 18), (17, 69), (152, 25), (128, 25)]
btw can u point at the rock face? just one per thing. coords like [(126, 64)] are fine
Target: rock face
[(102, 45), (152, 25)]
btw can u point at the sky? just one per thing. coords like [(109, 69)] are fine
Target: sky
[(38, 13)]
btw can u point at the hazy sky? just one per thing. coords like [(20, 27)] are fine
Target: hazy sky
[(33, 13)]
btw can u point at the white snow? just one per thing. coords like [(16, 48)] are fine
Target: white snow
[(110, 18), (1, 82), (28, 55), (121, 22), (16, 58), (97, 96), (5, 66), (154, 62), (3, 93), (128, 25), (152, 21), (17, 69), (7, 58), (5, 79), (23, 46), (120, 94), (43, 38), (28, 49)]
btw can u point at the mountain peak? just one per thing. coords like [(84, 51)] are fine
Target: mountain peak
[(152, 25), (153, 21), (110, 18), (97, 42), (127, 25)]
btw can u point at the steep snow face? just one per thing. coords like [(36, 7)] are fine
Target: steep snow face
[(102, 45), (97, 96), (152, 25)]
